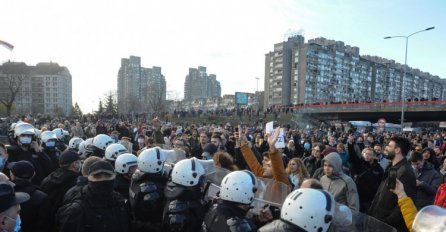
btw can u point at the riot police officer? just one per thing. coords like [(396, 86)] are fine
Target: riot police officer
[(147, 185), (236, 195), (185, 208)]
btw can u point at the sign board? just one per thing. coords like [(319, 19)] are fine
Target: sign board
[(281, 139), (442, 124), (241, 98)]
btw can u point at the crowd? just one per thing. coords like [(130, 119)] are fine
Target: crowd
[(107, 175)]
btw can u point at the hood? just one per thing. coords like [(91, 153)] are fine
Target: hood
[(334, 160)]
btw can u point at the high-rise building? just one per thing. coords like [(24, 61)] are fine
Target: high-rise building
[(140, 89), (45, 88), (324, 70), (200, 85)]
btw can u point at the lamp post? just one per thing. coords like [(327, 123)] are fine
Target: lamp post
[(403, 94), (257, 92)]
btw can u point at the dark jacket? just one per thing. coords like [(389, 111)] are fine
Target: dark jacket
[(227, 217), (40, 161), (75, 191), (312, 164), (385, 203), (33, 212), (92, 213), (122, 185), (430, 179), (56, 185), (367, 177)]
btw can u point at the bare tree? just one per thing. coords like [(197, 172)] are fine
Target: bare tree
[(10, 87), (156, 103)]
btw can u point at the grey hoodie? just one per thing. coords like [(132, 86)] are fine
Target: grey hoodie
[(340, 185)]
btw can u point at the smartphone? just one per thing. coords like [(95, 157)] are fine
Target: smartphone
[(391, 182)]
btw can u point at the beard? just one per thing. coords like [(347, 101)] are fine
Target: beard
[(390, 155)]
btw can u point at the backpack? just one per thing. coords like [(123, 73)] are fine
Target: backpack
[(440, 197)]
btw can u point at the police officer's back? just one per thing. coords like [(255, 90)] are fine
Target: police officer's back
[(185, 209), (236, 195)]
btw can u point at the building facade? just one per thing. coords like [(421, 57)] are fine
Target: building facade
[(42, 89), (200, 85), (140, 89), (324, 71)]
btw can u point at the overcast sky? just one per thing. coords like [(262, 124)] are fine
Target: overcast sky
[(229, 37)]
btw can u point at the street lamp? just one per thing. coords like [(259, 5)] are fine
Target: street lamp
[(403, 94), (256, 94)]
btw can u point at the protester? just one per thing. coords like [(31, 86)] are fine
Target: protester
[(33, 213), (385, 204), (60, 181), (428, 180), (98, 208), (341, 186)]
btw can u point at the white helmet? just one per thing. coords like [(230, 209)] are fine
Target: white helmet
[(114, 150), (124, 162), (151, 160), (309, 209), (188, 172), (47, 135), (59, 133), (239, 186), (101, 141), (75, 142), (87, 144), (82, 147), (24, 129)]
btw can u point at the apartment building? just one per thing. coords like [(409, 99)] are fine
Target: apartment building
[(322, 70), (199, 85), (42, 89), (140, 89)]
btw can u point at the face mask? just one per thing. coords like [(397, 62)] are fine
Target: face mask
[(18, 223), (50, 144), (414, 167), (101, 188), (2, 163), (140, 140), (25, 140)]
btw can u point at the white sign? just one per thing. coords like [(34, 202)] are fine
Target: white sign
[(280, 143)]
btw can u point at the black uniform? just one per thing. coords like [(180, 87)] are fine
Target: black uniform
[(53, 154), (227, 217), (122, 185), (40, 161), (184, 210), (146, 196)]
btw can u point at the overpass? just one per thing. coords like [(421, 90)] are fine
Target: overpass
[(415, 111)]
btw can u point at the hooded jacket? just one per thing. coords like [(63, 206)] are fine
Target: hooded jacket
[(340, 185)]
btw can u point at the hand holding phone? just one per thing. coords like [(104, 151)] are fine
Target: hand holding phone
[(391, 181)]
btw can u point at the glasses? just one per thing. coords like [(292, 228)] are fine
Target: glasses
[(178, 145), (316, 150)]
